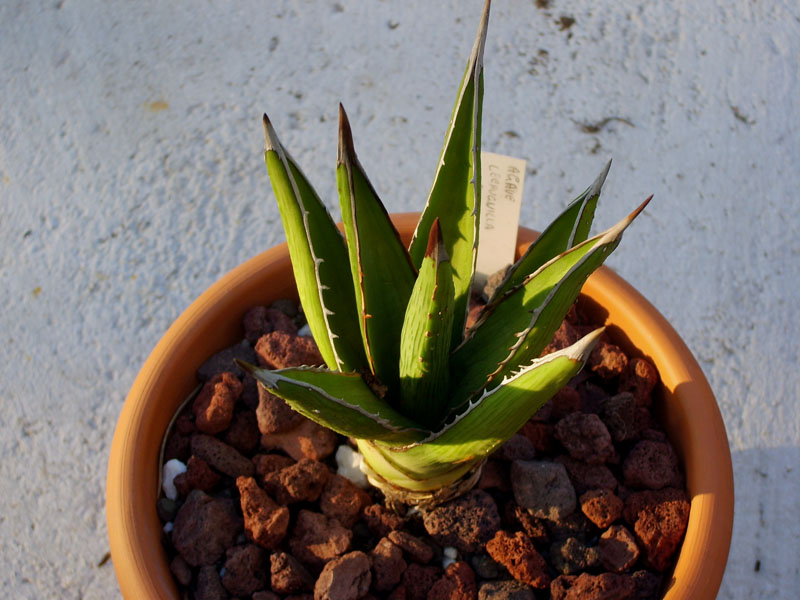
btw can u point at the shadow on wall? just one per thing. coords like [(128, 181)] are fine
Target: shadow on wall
[(764, 560)]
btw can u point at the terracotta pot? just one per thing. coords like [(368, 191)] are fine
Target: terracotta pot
[(212, 322)]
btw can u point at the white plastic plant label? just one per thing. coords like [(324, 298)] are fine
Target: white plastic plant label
[(502, 180)]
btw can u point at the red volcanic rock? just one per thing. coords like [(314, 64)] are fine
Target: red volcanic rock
[(607, 586), (388, 565), (457, 583), (260, 320), (249, 391), (607, 360), (506, 589), (601, 506), (274, 415), (640, 378), (543, 488), (540, 435), (345, 578), (574, 525), (648, 585), (566, 401), (571, 556), (380, 520), (224, 360), (620, 417), (213, 406), (534, 527), (585, 437), (565, 335), (256, 323), (209, 585), (269, 463), (418, 550), (288, 575), (181, 570), (618, 549), (659, 521), (279, 350), (494, 474), (518, 447), (343, 500), (652, 465), (398, 593), (317, 539), (204, 528), (243, 434), (309, 440), (197, 476), (245, 571), (221, 456), (587, 477), (418, 580), (466, 523), (265, 522), (280, 320), (301, 482), (517, 554)]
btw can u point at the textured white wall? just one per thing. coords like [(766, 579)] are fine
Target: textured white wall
[(131, 178)]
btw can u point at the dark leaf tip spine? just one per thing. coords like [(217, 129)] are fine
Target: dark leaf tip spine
[(347, 150), (597, 185), (640, 208), (270, 137)]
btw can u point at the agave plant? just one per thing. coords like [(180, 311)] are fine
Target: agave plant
[(424, 398)]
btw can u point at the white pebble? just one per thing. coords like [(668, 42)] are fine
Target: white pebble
[(172, 468), (449, 556), (168, 527), (304, 330), (348, 463)]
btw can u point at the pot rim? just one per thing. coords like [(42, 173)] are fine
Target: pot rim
[(689, 413)]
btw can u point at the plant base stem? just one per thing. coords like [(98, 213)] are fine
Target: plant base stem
[(397, 498)]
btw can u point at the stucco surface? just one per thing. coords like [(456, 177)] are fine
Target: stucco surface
[(131, 178)]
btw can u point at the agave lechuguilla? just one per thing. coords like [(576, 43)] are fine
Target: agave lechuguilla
[(425, 399)]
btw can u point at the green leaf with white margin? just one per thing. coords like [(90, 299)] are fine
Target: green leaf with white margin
[(380, 267), (520, 324), (492, 418), (319, 260), (455, 194), (425, 340), (570, 228), (340, 401)]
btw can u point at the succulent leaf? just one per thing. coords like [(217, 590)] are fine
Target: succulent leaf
[(381, 269), (425, 340), (492, 418), (319, 260), (455, 195), (340, 401), (571, 227), (519, 325)]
